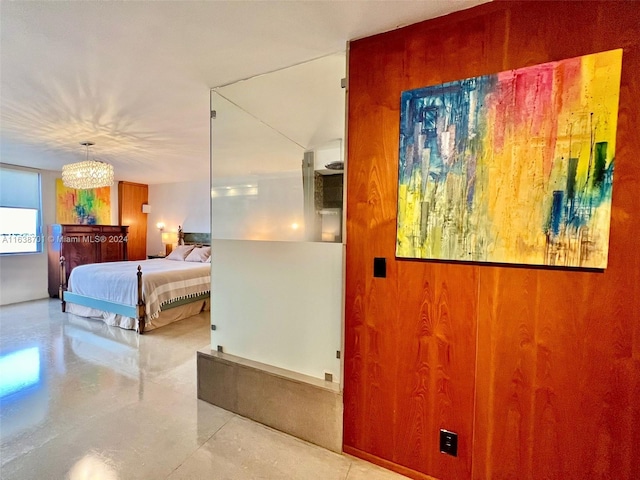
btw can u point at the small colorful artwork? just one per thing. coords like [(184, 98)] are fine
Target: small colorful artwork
[(515, 167), (87, 207)]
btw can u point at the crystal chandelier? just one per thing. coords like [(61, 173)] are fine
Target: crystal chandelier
[(87, 174)]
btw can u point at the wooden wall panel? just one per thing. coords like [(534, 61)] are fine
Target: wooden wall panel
[(372, 427), (410, 337), (537, 369), (436, 345), (131, 196), (558, 343)]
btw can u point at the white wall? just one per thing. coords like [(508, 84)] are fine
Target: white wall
[(25, 277), (185, 203), (279, 303)]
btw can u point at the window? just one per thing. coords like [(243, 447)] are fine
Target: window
[(20, 224)]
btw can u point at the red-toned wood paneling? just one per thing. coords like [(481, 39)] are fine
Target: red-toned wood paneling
[(131, 196), (410, 337), (562, 395), (373, 364), (552, 389)]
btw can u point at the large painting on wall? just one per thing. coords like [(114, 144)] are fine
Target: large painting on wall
[(515, 167), (90, 207)]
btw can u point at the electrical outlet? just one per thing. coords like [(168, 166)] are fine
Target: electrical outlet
[(449, 443)]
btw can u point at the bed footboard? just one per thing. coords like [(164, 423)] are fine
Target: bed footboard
[(63, 284), (141, 313), (137, 311)]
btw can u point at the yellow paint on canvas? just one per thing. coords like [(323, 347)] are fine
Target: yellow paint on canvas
[(91, 206)]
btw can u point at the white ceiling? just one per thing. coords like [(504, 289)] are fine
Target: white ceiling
[(135, 78)]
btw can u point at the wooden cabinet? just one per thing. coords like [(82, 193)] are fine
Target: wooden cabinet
[(82, 244), (131, 197)]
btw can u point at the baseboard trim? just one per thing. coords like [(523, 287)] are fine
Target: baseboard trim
[(407, 472)]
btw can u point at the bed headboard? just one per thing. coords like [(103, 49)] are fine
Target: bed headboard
[(186, 238)]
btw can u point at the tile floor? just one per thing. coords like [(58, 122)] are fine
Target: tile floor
[(80, 400)]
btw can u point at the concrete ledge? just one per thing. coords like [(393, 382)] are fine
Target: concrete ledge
[(300, 405)]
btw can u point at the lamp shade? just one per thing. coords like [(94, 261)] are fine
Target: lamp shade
[(169, 238)]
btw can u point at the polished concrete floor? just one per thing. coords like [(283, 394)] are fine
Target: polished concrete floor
[(80, 400)]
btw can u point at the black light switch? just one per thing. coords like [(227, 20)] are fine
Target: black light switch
[(380, 267)]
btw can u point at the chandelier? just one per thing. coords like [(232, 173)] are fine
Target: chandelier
[(87, 174)]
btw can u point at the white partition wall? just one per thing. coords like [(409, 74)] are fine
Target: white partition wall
[(177, 204), (279, 303)]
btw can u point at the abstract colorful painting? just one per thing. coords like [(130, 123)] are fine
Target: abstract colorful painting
[(515, 167), (88, 207)]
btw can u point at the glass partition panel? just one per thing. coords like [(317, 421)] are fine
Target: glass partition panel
[(276, 217), (256, 185), (277, 158)]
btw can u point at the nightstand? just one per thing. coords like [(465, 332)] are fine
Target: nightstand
[(155, 256)]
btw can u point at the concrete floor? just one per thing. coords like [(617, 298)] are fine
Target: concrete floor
[(80, 400)]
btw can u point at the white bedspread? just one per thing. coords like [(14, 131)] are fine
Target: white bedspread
[(163, 281)]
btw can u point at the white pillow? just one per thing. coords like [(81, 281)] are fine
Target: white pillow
[(180, 252), (199, 254)]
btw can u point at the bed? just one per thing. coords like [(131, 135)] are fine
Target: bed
[(143, 295)]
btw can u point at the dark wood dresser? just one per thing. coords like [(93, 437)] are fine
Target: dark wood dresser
[(82, 244)]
